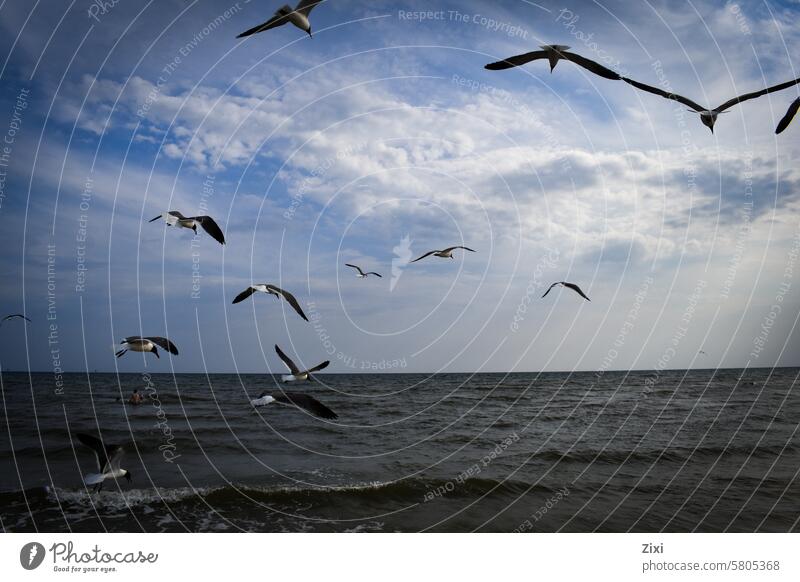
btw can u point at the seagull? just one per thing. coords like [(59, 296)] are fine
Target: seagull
[(14, 316), (790, 113), (554, 53), (296, 374), (108, 459), (361, 274), (146, 344), (272, 290), (298, 400), (572, 286), (175, 218), (298, 17), (445, 254), (709, 116)]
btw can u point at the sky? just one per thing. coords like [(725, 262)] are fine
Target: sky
[(379, 139)]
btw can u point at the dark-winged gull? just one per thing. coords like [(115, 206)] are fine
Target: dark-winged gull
[(297, 400), (554, 53), (572, 286), (146, 344), (361, 274), (175, 218), (108, 460), (271, 290), (297, 16), (445, 254), (296, 374)]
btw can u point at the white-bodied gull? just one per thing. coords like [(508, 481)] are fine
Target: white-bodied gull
[(271, 290), (108, 461), (445, 254), (175, 218), (297, 16), (296, 374), (361, 274), (146, 344), (297, 400)]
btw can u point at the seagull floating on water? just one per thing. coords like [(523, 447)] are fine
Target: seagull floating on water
[(572, 286), (146, 344), (790, 113), (554, 53), (361, 274), (14, 316), (296, 374), (445, 254), (709, 116), (297, 400), (271, 290), (108, 460), (175, 218), (297, 16)]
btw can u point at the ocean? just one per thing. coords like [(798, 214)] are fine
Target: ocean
[(674, 451)]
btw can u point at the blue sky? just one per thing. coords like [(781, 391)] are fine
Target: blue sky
[(382, 128)]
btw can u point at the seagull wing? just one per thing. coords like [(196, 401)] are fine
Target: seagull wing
[(318, 367), (130, 339), (374, 273), (754, 94), (290, 299), (664, 94), (96, 445), (429, 253), (211, 227), (306, 6), (447, 250), (577, 290), (516, 61), (790, 113), (305, 402), (13, 315), (164, 343), (549, 289), (289, 363), (356, 267), (592, 66), (275, 21), (244, 294), (114, 455)]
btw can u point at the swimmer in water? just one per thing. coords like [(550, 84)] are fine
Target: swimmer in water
[(135, 398)]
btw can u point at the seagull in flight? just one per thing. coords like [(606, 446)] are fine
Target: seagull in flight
[(709, 116), (14, 316), (572, 286), (175, 218), (445, 254), (271, 290), (108, 460), (790, 113), (297, 16), (554, 53), (296, 374), (296, 400), (146, 344), (362, 274)]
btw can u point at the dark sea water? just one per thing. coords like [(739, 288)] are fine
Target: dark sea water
[(639, 451)]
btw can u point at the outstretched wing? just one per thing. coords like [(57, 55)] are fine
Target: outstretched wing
[(244, 294), (516, 61), (592, 66), (429, 253), (374, 273), (305, 402), (164, 343), (448, 249), (664, 94), (577, 290), (755, 94), (790, 113), (96, 445), (278, 20), (549, 289), (211, 227), (356, 267), (13, 315), (318, 367), (289, 363), (306, 6), (290, 299)]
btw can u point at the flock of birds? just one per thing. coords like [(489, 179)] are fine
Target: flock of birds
[(108, 457)]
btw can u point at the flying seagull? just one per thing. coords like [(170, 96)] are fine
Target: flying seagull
[(554, 53), (709, 116), (361, 274), (445, 254), (108, 460), (14, 316), (175, 218), (790, 113), (298, 17), (572, 286), (146, 344), (296, 374), (272, 290), (297, 400)]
